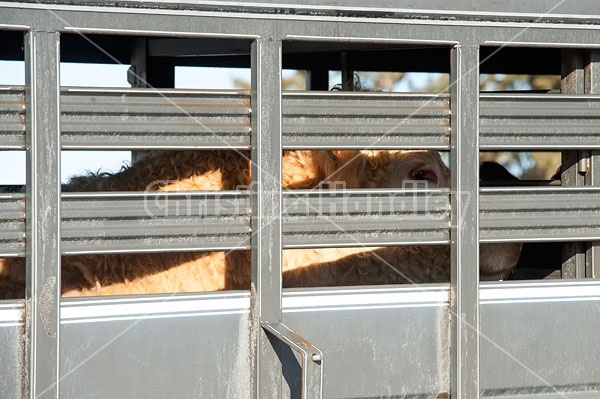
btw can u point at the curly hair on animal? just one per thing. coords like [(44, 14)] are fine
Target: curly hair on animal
[(163, 272)]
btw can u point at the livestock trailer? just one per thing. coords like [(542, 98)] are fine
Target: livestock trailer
[(463, 339)]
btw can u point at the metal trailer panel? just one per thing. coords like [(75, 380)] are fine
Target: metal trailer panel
[(157, 347), (376, 342), (415, 30), (330, 24), (138, 222), (12, 117), (531, 343), (42, 288), (365, 217), (187, 119), (464, 218), (366, 120), (539, 121), (12, 351), (151, 119), (266, 210), (12, 224), (544, 10), (150, 222), (197, 345), (540, 214), (517, 319)]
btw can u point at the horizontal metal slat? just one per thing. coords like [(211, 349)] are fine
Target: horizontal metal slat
[(12, 224), (365, 120), (361, 217), (147, 118), (12, 117), (101, 223), (541, 121), (149, 222), (540, 214), (138, 222), (144, 118)]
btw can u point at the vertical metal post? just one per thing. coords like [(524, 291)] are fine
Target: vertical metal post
[(572, 82), (464, 97), (138, 77), (592, 86), (266, 207), (347, 72), (43, 211)]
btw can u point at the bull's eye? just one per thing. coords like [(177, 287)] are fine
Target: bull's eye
[(419, 174)]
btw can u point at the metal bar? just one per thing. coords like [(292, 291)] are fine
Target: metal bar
[(464, 92), (359, 120), (150, 222), (592, 86), (347, 72), (540, 214), (205, 119), (137, 76), (312, 358), (43, 211), (12, 224), (266, 209), (572, 82), (539, 121), (166, 221), (147, 118), (12, 117), (365, 217)]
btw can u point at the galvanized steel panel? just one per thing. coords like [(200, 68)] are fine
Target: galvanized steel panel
[(12, 224), (12, 350), (12, 117), (542, 10), (539, 338), (541, 121), (365, 217), (540, 214), (365, 120), (376, 342), (150, 118), (150, 222), (182, 346)]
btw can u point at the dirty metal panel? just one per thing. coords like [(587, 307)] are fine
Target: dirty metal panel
[(178, 346), (585, 11), (376, 342), (12, 117), (540, 214), (12, 350), (540, 121), (151, 221), (366, 120), (150, 118), (12, 224), (365, 217), (141, 222), (538, 338)]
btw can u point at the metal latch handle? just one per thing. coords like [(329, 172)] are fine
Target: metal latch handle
[(312, 358)]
